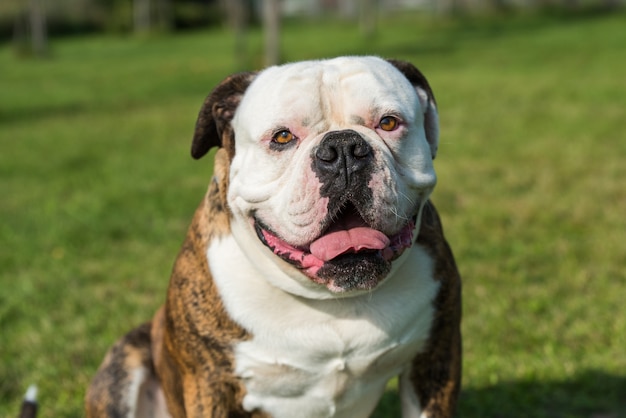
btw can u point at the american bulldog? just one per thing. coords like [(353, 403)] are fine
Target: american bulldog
[(315, 268)]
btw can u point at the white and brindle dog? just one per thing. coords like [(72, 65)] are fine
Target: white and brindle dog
[(315, 269)]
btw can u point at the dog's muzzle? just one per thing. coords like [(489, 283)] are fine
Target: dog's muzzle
[(350, 253)]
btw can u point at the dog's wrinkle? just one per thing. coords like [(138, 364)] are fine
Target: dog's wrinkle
[(302, 208), (303, 216)]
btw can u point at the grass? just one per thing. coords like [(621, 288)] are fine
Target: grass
[(98, 187)]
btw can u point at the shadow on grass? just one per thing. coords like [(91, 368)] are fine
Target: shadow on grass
[(591, 394)]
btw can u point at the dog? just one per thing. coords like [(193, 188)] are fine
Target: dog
[(315, 269)]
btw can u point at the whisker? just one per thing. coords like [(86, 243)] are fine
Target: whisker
[(398, 216), (411, 201)]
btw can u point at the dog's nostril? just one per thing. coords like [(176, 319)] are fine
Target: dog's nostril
[(361, 150), (327, 154)]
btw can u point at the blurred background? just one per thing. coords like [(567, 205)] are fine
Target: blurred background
[(29, 23), (98, 101)]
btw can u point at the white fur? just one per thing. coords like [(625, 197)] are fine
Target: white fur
[(151, 402), (322, 357), (138, 376), (310, 99), (410, 403), (145, 396)]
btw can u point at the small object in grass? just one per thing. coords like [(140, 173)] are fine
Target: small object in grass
[(29, 405)]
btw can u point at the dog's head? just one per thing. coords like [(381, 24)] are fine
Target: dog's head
[(331, 163)]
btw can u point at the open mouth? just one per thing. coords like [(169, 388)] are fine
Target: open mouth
[(348, 255)]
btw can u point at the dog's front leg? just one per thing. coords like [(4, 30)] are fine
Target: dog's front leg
[(212, 396), (429, 388)]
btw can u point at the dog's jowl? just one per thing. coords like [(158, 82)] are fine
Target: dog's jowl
[(315, 268)]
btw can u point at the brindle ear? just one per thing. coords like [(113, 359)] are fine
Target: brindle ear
[(213, 125), (425, 93)]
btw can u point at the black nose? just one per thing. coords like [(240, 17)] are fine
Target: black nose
[(342, 158)]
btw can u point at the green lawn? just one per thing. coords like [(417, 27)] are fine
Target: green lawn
[(97, 188)]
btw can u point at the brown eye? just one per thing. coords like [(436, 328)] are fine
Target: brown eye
[(283, 137), (388, 123)]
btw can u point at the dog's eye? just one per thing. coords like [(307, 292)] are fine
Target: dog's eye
[(283, 137), (388, 123)]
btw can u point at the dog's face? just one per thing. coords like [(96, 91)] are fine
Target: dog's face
[(331, 166)]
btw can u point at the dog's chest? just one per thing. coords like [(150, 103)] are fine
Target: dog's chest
[(324, 358), (334, 368)]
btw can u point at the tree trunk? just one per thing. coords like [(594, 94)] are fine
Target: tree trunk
[(458, 8), (237, 20), (367, 17), (500, 6), (271, 26), (164, 14), (38, 29), (141, 16)]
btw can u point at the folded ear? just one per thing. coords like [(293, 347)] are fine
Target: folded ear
[(213, 127), (427, 99)]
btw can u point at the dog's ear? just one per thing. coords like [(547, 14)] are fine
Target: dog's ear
[(213, 125), (427, 98)]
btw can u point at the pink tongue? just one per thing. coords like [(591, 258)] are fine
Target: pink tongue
[(342, 241)]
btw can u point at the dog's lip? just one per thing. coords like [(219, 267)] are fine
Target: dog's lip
[(345, 236)]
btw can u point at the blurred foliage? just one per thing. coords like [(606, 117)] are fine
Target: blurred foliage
[(69, 17)]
